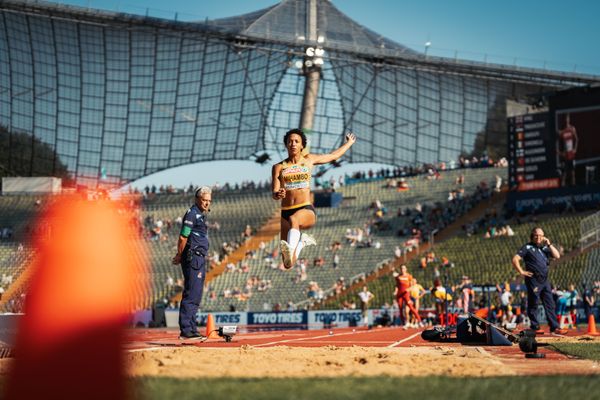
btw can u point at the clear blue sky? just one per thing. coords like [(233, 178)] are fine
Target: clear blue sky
[(556, 34), (562, 34)]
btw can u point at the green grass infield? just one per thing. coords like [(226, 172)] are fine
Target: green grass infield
[(588, 350), (376, 388)]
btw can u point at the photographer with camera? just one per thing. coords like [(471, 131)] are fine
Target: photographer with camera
[(536, 256)]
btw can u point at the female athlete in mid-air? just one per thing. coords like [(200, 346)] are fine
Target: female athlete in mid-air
[(291, 185)]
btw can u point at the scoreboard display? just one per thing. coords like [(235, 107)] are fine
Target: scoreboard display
[(554, 156), (559, 148), (532, 153)]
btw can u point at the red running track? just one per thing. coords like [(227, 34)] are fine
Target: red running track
[(376, 337), (361, 336)]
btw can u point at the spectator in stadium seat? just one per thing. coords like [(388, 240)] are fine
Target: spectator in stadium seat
[(403, 185), (509, 231), (247, 233), (336, 261), (536, 256), (397, 252), (498, 184)]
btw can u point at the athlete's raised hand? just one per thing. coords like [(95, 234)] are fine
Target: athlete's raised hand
[(350, 138)]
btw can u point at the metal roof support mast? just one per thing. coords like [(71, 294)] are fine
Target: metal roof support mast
[(311, 68)]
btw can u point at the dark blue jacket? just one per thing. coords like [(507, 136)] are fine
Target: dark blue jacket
[(537, 260), (195, 229)]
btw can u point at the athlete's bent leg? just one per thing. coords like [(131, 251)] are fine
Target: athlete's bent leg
[(284, 248), (301, 219)]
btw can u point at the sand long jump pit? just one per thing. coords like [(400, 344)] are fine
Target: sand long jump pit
[(320, 356)]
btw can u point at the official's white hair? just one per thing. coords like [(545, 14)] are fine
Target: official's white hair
[(203, 190)]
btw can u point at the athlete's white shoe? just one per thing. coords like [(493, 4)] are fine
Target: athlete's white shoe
[(286, 252), (308, 240)]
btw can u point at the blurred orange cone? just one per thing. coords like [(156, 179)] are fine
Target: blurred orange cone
[(211, 329), (592, 326), (69, 343)]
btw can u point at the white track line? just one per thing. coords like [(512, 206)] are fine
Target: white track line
[(404, 340), (352, 341), (295, 340), (311, 338), (145, 349)]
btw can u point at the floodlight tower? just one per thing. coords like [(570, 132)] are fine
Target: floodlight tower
[(311, 67)]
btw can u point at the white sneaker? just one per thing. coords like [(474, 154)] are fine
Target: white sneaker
[(286, 252), (308, 240)]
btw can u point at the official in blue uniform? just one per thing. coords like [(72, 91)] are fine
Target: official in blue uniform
[(192, 249), (536, 255)]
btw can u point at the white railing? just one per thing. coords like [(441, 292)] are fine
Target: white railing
[(590, 231)]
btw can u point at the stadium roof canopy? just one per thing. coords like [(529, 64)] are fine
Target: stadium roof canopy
[(287, 21), (121, 96)]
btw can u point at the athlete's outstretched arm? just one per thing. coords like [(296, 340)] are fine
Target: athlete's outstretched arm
[(334, 155)]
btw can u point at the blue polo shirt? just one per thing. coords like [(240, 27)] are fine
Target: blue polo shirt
[(194, 228), (537, 260)]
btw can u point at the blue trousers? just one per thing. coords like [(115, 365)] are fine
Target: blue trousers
[(537, 290), (194, 273)]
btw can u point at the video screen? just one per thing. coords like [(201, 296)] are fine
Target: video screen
[(559, 148), (578, 145)]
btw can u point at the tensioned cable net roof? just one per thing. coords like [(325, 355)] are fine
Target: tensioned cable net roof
[(120, 96), (287, 21)]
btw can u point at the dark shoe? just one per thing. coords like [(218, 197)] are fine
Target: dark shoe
[(537, 329), (192, 336), (560, 331)]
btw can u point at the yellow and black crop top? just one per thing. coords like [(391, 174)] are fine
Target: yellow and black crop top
[(295, 176)]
